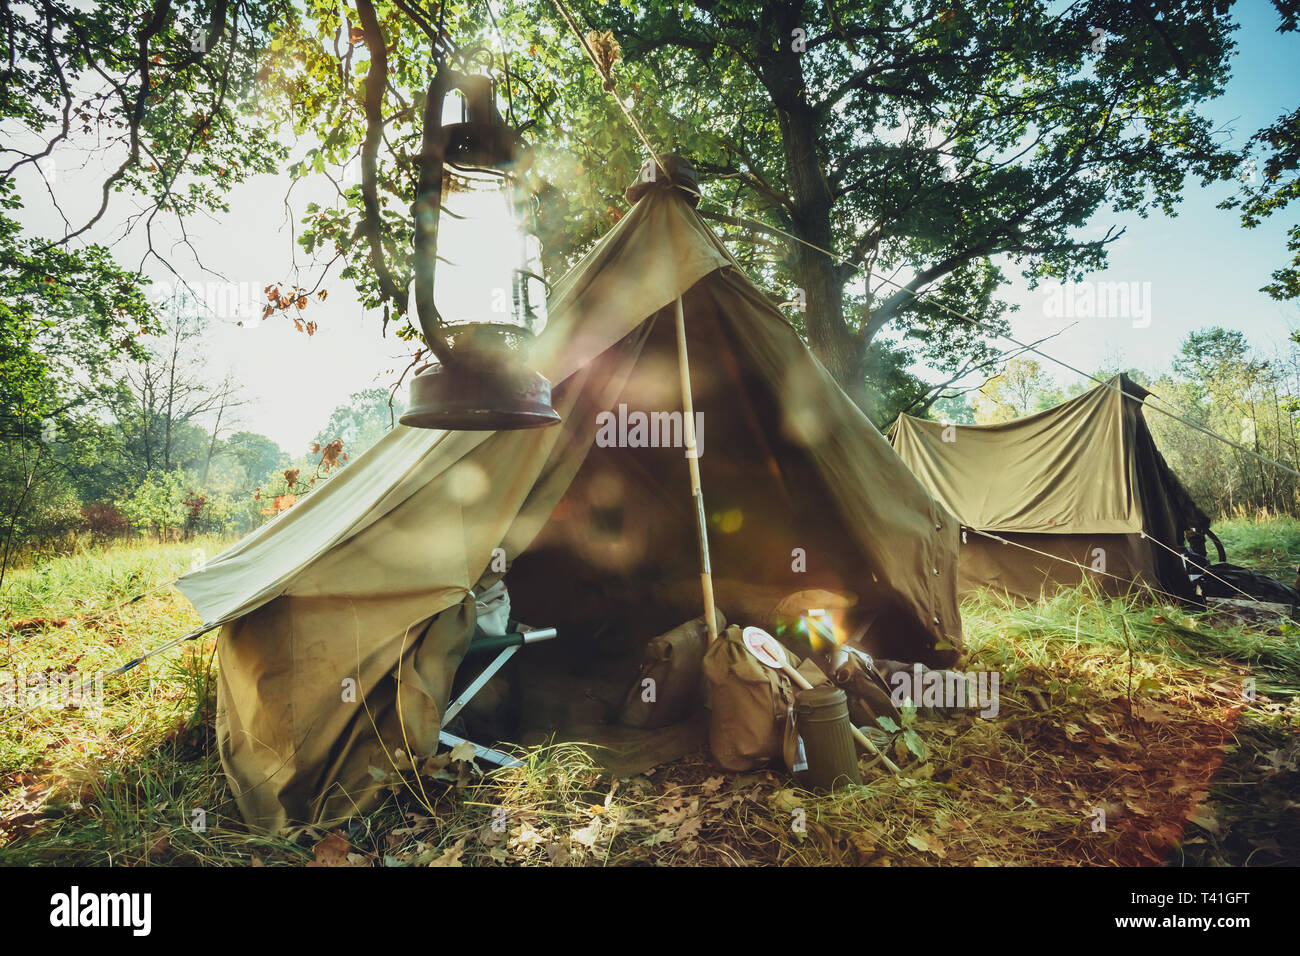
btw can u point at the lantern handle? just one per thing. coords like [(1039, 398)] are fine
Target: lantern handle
[(424, 213)]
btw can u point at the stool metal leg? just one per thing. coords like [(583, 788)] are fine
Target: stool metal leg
[(468, 693), (481, 752)]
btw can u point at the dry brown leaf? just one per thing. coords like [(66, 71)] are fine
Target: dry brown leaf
[(451, 856), (929, 843), (463, 751), (527, 838), (333, 850), (588, 835), (689, 828), (558, 854)]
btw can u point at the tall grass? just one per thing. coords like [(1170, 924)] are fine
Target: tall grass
[(1267, 542), (1131, 706)]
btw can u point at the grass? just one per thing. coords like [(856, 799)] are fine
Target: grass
[(1138, 711), (1269, 543), (116, 783)]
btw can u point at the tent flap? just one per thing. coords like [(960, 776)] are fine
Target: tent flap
[(1067, 470)]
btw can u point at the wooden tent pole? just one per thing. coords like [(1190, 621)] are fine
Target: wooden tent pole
[(693, 461)]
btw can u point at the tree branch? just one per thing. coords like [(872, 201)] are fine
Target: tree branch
[(371, 225)]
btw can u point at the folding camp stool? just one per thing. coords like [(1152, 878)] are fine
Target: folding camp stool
[(507, 645)]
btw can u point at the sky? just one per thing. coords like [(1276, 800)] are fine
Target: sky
[(1202, 267), (1196, 270)]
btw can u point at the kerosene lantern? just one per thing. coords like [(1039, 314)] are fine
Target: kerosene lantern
[(479, 292)]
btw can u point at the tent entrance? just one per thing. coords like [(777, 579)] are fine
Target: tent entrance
[(616, 564), (619, 546)]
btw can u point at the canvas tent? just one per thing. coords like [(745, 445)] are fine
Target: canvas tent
[(1082, 482), (370, 578)]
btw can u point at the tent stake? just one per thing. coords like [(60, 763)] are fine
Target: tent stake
[(693, 462)]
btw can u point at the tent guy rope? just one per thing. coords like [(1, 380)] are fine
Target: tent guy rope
[(683, 361), (1054, 557), (135, 661), (1083, 567), (1208, 573), (1172, 411), (606, 75)]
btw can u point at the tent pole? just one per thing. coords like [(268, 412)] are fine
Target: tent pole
[(693, 461)]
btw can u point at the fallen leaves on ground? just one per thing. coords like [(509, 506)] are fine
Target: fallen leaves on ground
[(335, 850)]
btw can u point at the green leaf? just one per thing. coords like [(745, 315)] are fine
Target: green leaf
[(908, 712), (914, 743)]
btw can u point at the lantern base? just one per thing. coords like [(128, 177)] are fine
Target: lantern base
[(477, 394)]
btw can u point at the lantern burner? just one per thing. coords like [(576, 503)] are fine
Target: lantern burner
[(480, 392)]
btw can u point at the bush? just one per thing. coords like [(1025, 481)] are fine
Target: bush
[(104, 520), (157, 504)]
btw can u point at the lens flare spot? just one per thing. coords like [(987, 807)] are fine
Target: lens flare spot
[(729, 522), (803, 418), (467, 483)]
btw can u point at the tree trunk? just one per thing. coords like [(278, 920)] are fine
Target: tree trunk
[(146, 419), (212, 444), (820, 277), (171, 389)]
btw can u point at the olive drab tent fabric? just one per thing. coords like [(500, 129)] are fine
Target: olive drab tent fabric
[(346, 617), (1083, 483)]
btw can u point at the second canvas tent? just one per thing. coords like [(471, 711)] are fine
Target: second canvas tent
[(1077, 491)]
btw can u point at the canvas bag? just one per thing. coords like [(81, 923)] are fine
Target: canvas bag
[(751, 716), (869, 697), (492, 606), (673, 662)]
